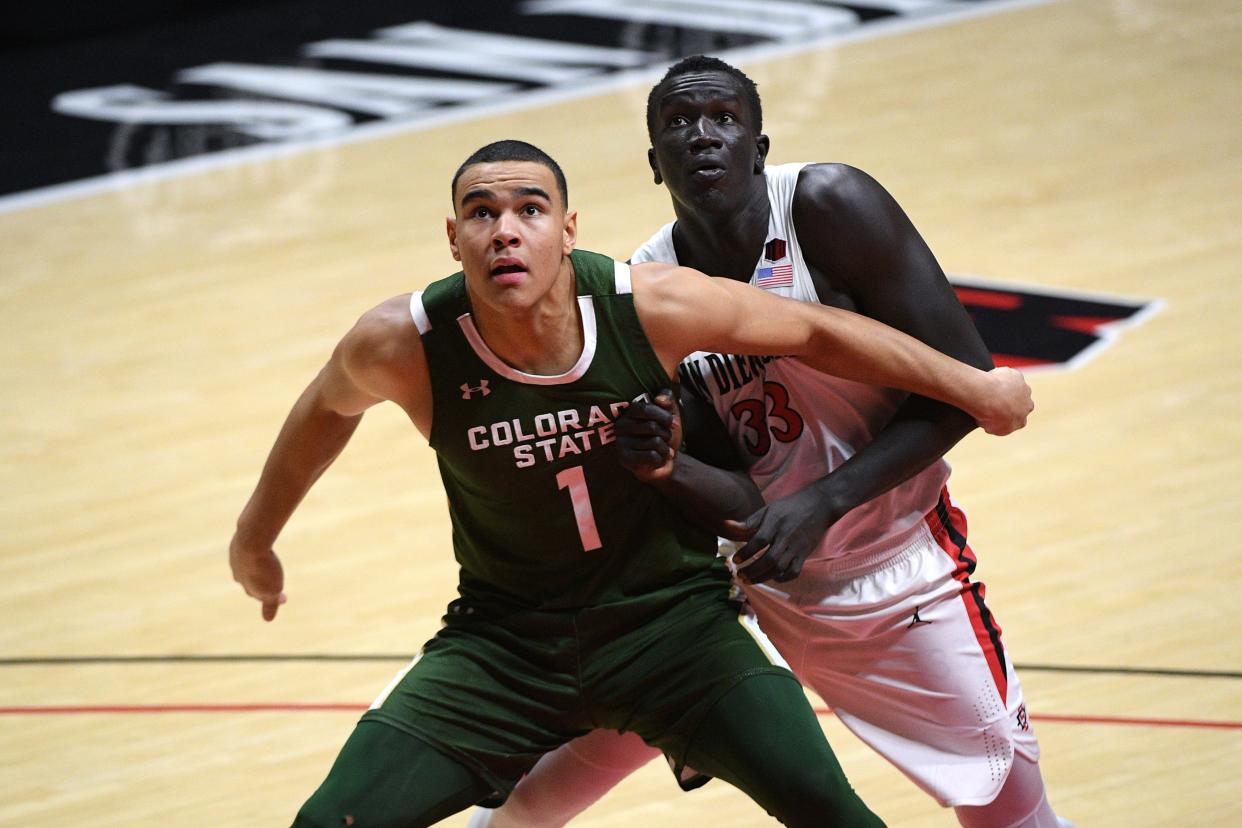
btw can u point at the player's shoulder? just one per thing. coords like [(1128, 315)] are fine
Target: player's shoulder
[(836, 204), (662, 279), (391, 315), (384, 332), (665, 293), (835, 187)]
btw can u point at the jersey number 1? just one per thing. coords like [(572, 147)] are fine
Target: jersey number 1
[(573, 479)]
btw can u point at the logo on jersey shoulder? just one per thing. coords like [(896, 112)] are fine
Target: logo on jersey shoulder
[(775, 250), (1024, 722), (1042, 328), (468, 390)]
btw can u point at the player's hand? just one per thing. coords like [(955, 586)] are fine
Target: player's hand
[(1006, 405), (260, 574), (648, 436), (780, 536)]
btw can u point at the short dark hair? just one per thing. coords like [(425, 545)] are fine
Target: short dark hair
[(510, 150), (705, 63)]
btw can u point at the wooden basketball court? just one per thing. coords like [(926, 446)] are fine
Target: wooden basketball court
[(156, 335)]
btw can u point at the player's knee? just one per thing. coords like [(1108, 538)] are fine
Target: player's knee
[(481, 817), (324, 810), (814, 794), (515, 814), (316, 817), (1021, 802)]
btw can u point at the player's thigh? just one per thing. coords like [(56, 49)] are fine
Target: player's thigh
[(487, 696), (763, 727), (659, 679), (908, 636), (386, 778), (924, 679), (933, 665), (763, 737)]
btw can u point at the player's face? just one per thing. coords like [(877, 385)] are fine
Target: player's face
[(706, 147), (511, 232)]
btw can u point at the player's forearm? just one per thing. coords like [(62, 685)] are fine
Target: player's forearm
[(709, 496), (309, 441), (920, 433), (854, 347)]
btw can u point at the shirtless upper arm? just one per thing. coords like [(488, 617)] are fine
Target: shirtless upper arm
[(380, 358), (854, 232), (683, 311)]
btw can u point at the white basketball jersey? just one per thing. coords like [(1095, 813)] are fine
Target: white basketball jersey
[(791, 424)]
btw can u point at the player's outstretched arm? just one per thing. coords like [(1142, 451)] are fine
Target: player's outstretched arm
[(649, 445), (360, 373), (852, 228), (683, 311)]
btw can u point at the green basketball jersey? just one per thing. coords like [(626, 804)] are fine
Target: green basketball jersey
[(543, 514)]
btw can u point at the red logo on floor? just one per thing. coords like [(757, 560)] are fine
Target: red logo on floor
[(1035, 327)]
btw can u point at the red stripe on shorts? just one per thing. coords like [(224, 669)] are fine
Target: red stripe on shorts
[(948, 527)]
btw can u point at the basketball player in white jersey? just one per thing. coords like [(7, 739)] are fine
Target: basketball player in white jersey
[(857, 566)]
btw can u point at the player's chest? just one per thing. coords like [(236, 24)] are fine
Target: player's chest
[(497, 425)]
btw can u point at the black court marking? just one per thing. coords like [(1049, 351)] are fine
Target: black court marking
[(271, 658), (1041, 328), (55, 661), (1137, 671)]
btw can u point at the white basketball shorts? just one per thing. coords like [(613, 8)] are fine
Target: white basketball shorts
[(910, 659)]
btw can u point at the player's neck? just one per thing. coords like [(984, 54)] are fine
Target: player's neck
[(724, 240), (544, 339)]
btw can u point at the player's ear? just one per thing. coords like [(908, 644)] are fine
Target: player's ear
[(450, 225), (655, 167), (761, 152), (571, 232)]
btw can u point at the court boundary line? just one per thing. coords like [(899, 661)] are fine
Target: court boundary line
[(244, 658), (355, 707), (127, 179)]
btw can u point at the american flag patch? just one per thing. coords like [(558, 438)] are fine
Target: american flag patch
[(777, 276)]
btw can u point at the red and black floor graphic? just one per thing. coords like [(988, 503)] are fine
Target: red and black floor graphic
[(1043, 328)]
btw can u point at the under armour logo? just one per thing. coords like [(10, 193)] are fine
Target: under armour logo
[(1024, 722), (917, 621), (467, 389)]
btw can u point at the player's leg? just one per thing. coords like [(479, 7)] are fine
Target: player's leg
[(908, 676), (994, 764), (567, 781), (912, 661), (763, 738), (386, 778), (465, 720), (703, 684), (1021, 803), (920, 692), (698, 680)]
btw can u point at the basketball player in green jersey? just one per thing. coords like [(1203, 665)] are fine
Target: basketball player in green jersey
[(585, 602)]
